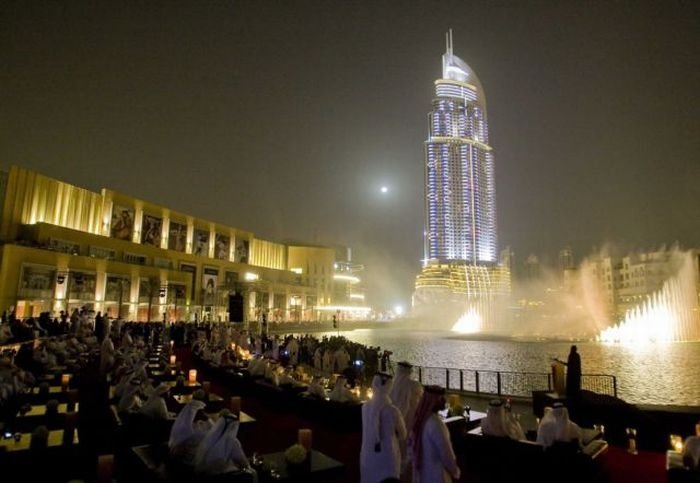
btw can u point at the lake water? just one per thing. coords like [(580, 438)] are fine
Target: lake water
[(648, 374)]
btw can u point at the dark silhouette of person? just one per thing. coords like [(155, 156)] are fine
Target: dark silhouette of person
[(573, 374)]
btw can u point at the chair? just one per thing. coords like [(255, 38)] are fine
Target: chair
[(71, 421), (72, 399)]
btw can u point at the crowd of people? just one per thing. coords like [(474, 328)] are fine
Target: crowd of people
[(404, 436)]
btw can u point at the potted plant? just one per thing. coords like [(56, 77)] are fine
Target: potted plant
[(297, 458)]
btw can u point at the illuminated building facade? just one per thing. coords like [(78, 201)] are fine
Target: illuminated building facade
[(65, 247), (461, 246), (460, 192)]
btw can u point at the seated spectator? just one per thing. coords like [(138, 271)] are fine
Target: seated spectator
[(220, 451), (188, 431), (341, 393), (500, 423), (287, 378), (557, 427), (155, 406), (316, 388), (130, 400), (257, 366)]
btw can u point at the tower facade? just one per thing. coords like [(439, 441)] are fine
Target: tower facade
[(460, 193), (461, 271)]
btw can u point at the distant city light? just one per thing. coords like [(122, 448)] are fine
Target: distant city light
[(346, 278), (398, 310), (384, 189)]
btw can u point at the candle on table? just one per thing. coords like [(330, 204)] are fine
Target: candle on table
[(172, 360), (632, 439), (677, 443), (192, 378), (65, 379), (305, 438), (236, 405)]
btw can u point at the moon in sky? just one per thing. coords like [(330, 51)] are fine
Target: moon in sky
[(384, 189)]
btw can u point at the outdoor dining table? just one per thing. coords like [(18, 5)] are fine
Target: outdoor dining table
[(55, 439), (275, 468)]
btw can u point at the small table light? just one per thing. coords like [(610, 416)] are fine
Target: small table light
[(632, 440), (172, 360), (192, 376), (65, 379), (676, 443)]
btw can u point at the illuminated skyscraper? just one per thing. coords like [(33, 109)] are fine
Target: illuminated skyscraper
[(461, 248), (460, 192)]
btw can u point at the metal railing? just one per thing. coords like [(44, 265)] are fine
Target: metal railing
[(508, 383)]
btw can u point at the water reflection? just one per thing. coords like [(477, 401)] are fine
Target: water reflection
[(649, 374)]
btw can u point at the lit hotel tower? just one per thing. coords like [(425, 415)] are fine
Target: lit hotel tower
[(461, 249)]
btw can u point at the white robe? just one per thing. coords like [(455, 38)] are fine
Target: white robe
[(293, 350), (155, 407), (556, 426), (438, 460), (340, 393), (499, 423), (375, 467), (186, 435), (220, 451)]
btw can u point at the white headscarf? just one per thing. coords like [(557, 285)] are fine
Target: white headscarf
[(155, 406), (340, 393), (494, 424), (498, 422), (130, 399), (567, 430), (556, 426), (381, 387), (220, 451), (406, 393), (183, 428), (316, 389)]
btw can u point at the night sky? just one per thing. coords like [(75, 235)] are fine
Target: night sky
[(285, 118)]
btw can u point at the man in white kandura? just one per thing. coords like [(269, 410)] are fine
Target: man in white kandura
[(383, 432), (434, 460), (500, 423), (556, 426)]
